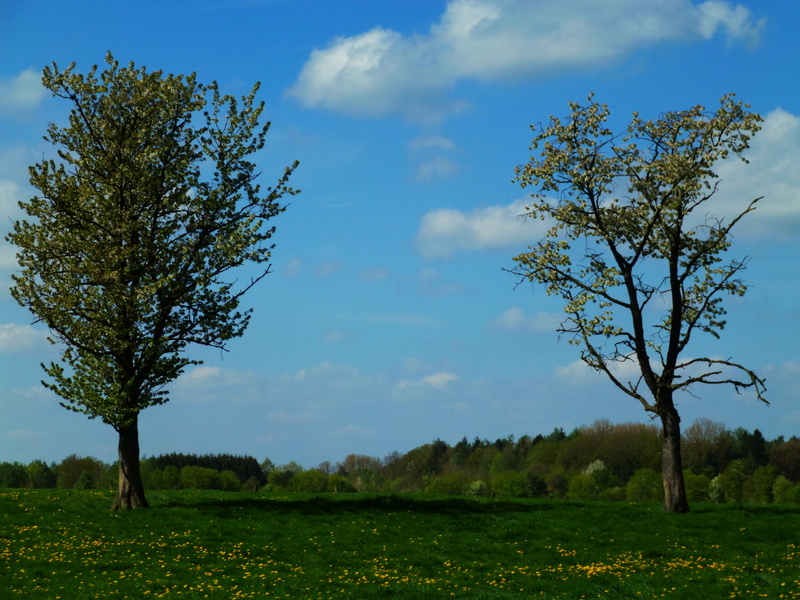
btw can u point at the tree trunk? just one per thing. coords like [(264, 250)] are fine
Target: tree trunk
[(671, 464), (130, 491)]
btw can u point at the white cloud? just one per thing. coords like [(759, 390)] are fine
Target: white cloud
[(445, 231), (772, 173), (435, 169), (383, 72), (436, 142), (438, 381), (734, 21), (515, 319), (15, 338), (433, 165), (22, 93), (293, 267), (204, 377), (579, 373), (328, 268)]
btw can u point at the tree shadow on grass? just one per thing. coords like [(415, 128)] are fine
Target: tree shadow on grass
[(343, 504)]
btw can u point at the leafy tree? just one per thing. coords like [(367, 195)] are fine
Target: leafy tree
[(40, 475), (706, 446), (339, 483), (85, 481), (281, 476), (582, 487), (732, 480), (455, 482), (628, 231), (781, 490), (511, 483), (73, 467), (199, 478), (758, 487), (644, 486), (229, 481), (13, 475), (127, 253), (312, 480), (171, 478), (786, 458), (697, 486)]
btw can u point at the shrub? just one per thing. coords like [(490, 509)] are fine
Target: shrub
[(581, 487), (645, 485), (697, 486), (731, 481), (781, 489), (450, 483), (511, 483), (171, 478), (40, 475), (84, 482), (758, 487), (557, 485), (73, 466), (13, 475), (199, 478), (312, 480), (229, 481), (279, 477), (477, 488), (338, 483), (251, 485)]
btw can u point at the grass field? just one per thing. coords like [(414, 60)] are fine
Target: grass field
[(66, 544)]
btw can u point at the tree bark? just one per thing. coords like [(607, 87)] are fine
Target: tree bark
[(130, 490), (671, 464)]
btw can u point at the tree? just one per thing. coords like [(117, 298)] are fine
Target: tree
[(705, 447), (628, 234), (127, 254)]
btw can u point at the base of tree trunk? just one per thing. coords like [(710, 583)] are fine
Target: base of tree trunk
[(130, 490), (675, 500), (127, 499)]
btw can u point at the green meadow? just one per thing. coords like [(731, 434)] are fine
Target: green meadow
[(204, 544)]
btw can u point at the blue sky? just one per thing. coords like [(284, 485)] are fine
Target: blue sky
[(389, 321)]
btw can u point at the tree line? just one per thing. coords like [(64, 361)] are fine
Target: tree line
[(601, 461)]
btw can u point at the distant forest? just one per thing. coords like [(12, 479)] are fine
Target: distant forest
[(601, 461)]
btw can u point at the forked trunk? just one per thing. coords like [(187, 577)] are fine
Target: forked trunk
[(130, 491), (671, 464)]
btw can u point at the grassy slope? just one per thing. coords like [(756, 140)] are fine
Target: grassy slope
[(215, 545)]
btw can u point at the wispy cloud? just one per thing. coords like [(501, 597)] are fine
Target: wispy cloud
[(772, 173), (383, 72), (438, 381), (15, 338), (445, 231), (22, 93), (515, 319), (432, 154)]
